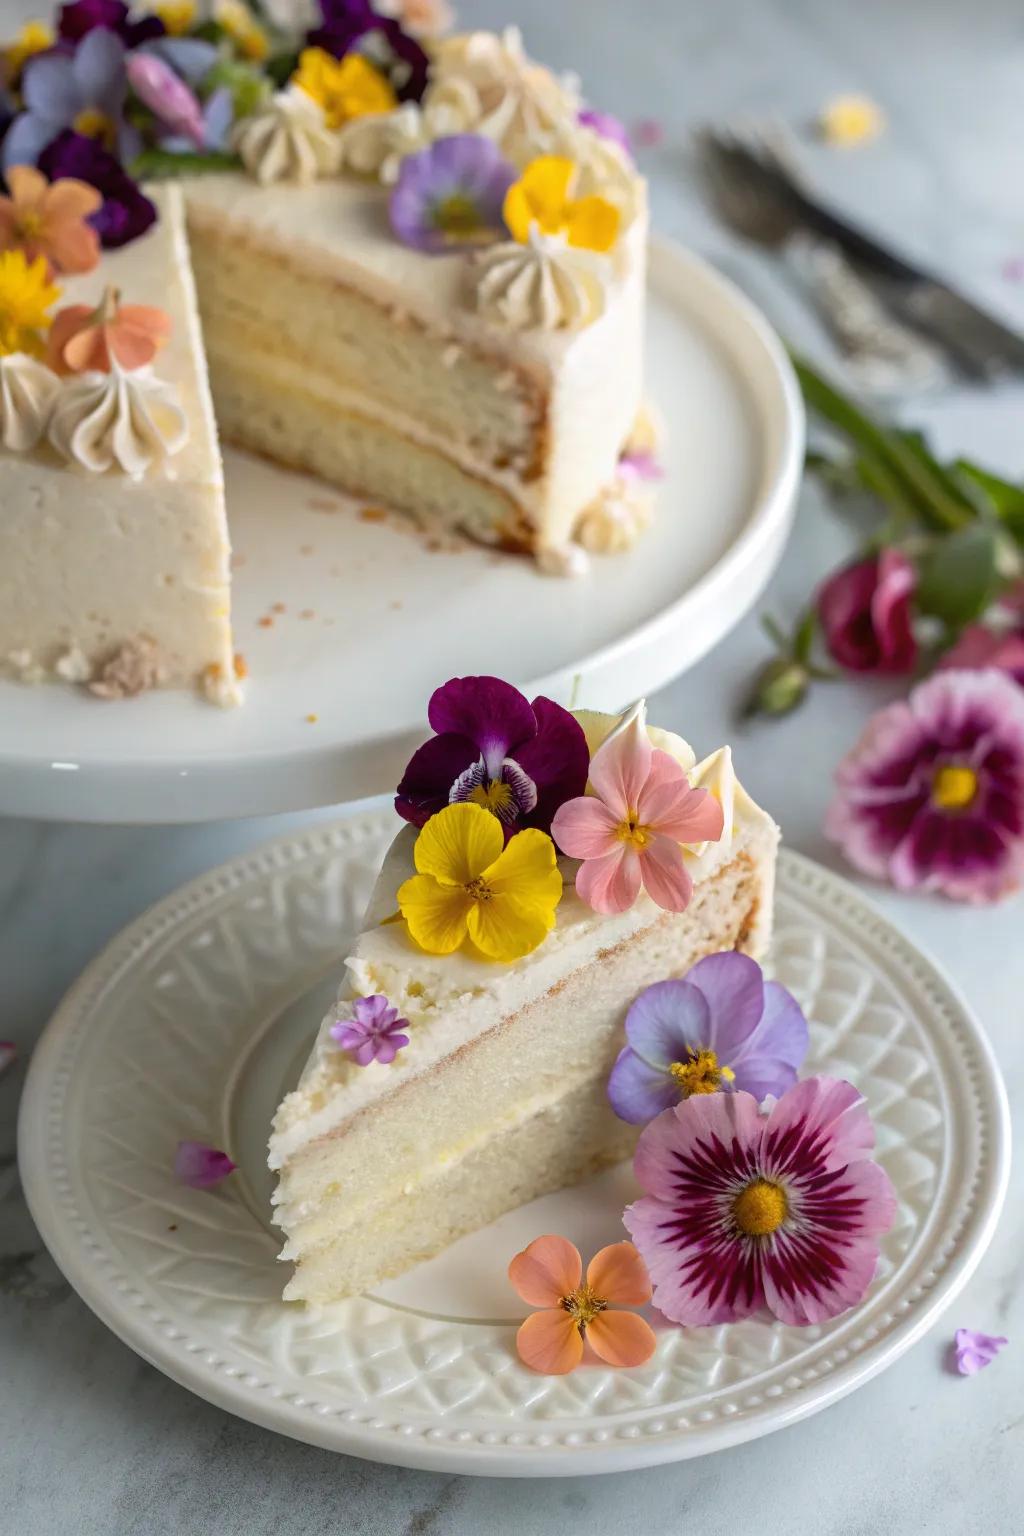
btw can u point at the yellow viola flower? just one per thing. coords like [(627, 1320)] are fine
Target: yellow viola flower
[(178, 16), (26, 294), (543, 196), (244, 30), (344, 88), (473, 891), (34, 37)]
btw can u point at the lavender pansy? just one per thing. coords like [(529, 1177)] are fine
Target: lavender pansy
[(126, 213), (520, 761), (373, 1033), (972, 1351), (932, 796), (346, 24), (201, 1166), (607, 126), (451, 194), (84, 16), (83, 91), (723, 1027)]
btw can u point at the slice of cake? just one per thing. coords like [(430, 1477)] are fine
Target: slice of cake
[(500, 1093)]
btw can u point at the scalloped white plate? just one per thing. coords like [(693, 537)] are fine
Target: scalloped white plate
[(373, 619), (195, 1019)]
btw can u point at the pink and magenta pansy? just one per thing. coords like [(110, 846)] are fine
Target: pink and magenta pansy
[(373, 1032), (744, 1209), (492, 747), (722, 1027), (932, 796), (629, 832)]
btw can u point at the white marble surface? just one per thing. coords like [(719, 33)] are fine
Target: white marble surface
[(93, 1439)]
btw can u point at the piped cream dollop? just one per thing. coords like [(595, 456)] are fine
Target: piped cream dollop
[(287, 140), (543, 284), (491, 86), (619, 513), (27, 392), (377, 143), (130, 421)]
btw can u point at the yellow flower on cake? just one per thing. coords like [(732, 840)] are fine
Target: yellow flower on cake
[(235, 17), (26, 296), (178, 16), (343, 88), (543, 198), (474, 891)]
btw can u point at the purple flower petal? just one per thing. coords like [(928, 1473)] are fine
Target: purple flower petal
[(433, 769), (218, 116), (99, 71), (201, 1166), (189, 57), (667, 1021), (638, 1091), (768, 1061), (557, 760), (486, 711), (734, 988), (51, 89), (84, 16), (26, 139), (973, 1350)]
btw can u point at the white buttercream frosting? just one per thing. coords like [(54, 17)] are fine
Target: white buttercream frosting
[(377, 143), (543, 285), (287, 140), (616, 517), (27, 392), (130, 421)]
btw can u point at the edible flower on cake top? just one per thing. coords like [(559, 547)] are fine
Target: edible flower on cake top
[(451, 194), (85, 339), (27, 295), (518, 761), (722, 1028), (343, 88), (474, 892), (371, 1031), (240, 24), (83, 90), (50, 220), (544, 198), (34, 37), (348, 26)]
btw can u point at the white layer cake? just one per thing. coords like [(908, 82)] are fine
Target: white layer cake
[(500, 1095)]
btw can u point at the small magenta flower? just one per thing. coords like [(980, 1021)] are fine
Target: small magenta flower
[(866, 615), (972, 1351), (744, 1209), (721, 1028), (166, 95), (201, 1166), (932, 796), (374, 1033), (451, 194)]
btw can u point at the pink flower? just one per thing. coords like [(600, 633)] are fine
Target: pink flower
[(166, 95), (932, 796), (744, 1209), (629, 831), (865, 614), (980, 646), (201, 1166)]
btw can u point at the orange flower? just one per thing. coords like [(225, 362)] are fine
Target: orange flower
[(84, 339), (48, 219), (549, 1274)]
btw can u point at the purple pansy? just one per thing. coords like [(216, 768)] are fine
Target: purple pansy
[(126, 213), (607, 126), (201, 1166), (721, 1028), (61, 89), (932, 796), (373, 1033), (972, 1351), (451, 194), (519, 760), (346, 23), (84, 16)]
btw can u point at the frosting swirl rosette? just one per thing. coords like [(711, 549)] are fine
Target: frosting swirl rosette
[(128, 420), (27, 391), (287, 140)]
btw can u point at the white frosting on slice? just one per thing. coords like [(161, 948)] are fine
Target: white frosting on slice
[(377, 143), (27, 392), (543, 285), (131, 420), (287, 140), (490, 87)]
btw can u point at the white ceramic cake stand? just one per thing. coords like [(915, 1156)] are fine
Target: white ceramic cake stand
[(198, 1016), (373, 619)]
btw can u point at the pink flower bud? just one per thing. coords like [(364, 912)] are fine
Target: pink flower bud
[(166, 95)]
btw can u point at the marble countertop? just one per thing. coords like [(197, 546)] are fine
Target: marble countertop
[(95, 1440)]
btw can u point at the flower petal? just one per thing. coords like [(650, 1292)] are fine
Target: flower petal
[(550, 1343), (51, 91), (547, 1269), (665, 875), (428, 779), (767, 1063), (612, 883), (618, 1273), (99, 69), (458, 844), (585, 828), (621, 1338), (510, 926), (667, 1020), (620, 768), (201, 1166), (819, 1126), (436, 915), (974, 1350), (637, 1091), (593, 223), (27, 184), (526, 867), (557, 760), (733, 987), (491, 713), (686, 1138)]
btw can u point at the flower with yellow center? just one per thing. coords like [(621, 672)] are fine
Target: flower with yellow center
[(91, 123), (954, 787), (178, 16), (343, 88), (760, 1208), (26, 295), (701, 1072), (34, 37), (473, 891), (543, 197), (244, 30)]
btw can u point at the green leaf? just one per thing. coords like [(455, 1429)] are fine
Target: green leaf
[(959, 577), (1005, 497), (803, 638), (156, 164)]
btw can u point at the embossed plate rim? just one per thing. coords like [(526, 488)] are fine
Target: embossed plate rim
[(539, 1448)]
